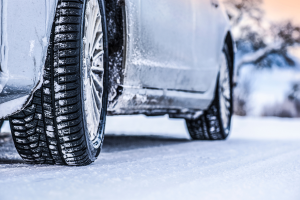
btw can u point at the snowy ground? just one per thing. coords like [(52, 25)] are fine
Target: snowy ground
[(268, 87), (154, 159)]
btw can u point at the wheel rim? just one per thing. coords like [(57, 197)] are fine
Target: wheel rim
[(225, 95), (93, 69)]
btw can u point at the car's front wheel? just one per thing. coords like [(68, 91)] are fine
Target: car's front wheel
[(215, 122), (64, 123)]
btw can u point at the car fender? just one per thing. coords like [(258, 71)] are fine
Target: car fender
[(25, 32), (224, 36)]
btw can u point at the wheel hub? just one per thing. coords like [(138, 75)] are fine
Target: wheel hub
[(93, 69)]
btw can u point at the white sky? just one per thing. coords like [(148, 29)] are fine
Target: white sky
[(280, 10), (283, 10)]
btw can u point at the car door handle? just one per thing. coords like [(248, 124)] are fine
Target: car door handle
[(215, 3)]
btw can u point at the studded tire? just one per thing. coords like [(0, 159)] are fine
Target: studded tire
[(209, 126), (52, 129)]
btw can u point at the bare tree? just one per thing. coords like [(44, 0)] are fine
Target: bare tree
[(260, 42), (294, 96)]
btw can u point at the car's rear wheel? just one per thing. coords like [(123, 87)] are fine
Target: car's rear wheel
[(1, 123), (214, 124), (64, 123)]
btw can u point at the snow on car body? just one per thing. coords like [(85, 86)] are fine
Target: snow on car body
[(131, 57), (172, 52)]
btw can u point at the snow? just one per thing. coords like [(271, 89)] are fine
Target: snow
[(9, 107), (4, 48), (153, 158), (32, 44), (268, 86), (140, 124), (46, 90)]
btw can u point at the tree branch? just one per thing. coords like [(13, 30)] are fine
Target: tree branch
[(257, 55)]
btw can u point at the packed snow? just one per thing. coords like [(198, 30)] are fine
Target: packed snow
[(154, 158)]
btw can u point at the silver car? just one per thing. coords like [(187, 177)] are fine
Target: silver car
[(67, 64)]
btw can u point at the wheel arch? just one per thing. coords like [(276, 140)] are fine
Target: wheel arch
[(24, 51), (229, 43)]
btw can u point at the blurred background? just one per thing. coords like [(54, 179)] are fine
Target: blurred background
[(267, 35)]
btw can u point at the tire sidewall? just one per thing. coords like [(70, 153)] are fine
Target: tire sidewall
[(225, 51)]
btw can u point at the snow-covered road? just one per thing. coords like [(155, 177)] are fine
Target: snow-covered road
[(154, 159)]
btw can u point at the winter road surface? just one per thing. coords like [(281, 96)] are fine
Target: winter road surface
[(154, 159)]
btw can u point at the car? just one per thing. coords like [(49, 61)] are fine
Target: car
[(67, 64)]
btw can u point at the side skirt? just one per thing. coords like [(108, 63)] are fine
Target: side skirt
[(155, 102)]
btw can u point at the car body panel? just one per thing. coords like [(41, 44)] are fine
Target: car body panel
[(25, 32), (174, 45), (177, 71), (157, 101)]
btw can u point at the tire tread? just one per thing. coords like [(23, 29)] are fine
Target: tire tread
[(50, 129)]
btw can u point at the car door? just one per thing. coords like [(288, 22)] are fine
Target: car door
[(171, 44)]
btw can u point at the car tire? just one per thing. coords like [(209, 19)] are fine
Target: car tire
[(215, 122), (64, 122), (1, 123)]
